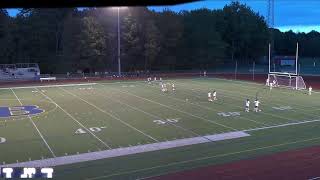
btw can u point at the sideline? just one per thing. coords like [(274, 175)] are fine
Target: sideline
[(63, 160)]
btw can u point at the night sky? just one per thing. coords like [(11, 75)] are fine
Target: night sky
[(297, 15)]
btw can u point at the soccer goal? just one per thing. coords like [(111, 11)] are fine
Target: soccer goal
[(287, 80), (283, 71)]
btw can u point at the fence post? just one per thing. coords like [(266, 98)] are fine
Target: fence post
[(236, 70), (254, 64)]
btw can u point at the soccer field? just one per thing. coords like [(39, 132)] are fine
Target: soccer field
[(81, 119)]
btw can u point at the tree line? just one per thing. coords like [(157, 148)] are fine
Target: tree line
[(68, 40)]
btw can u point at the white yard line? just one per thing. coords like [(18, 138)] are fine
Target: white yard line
[(73, 118), (111, 115), (211, 121), (282, 125), (71, 159), (35, 126), (153, 116)]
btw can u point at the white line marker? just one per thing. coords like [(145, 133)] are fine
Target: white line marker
[(76, 120), (152, 115), (282, 125), (111, 115), (177, 110), (34, 125)]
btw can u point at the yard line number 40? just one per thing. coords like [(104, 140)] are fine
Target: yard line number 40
[(92, 129), (166, 121)]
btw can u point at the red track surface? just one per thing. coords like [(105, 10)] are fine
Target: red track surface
[(291, 165)]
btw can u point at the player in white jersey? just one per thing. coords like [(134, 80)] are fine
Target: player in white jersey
[(214, 94), (270, 86), (173, 87), (247, 105), (256, 105), (155, 78), (162, 87), (165, 87), (310, 90), (267, 82), (274, 83), (210, 97)]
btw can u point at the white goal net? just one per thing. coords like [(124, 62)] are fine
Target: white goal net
[(287, 80)]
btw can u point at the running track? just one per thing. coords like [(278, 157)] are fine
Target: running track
[(302, 164)]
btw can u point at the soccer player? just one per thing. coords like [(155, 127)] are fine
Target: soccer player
[(214, 94), (267, 82), (165, 87), (162, 87), (270, 86), (256, 105), (274, 83), (155, 78), (310, 90), (209, 97), (173, 87), (247, 105)]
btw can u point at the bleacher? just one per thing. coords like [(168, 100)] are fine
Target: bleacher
[(22, 71)]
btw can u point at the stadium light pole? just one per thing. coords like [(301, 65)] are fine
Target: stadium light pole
[(119, 43), (119, 59)]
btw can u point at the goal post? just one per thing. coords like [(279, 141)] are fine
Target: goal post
[(285, 71), (287, 80)]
